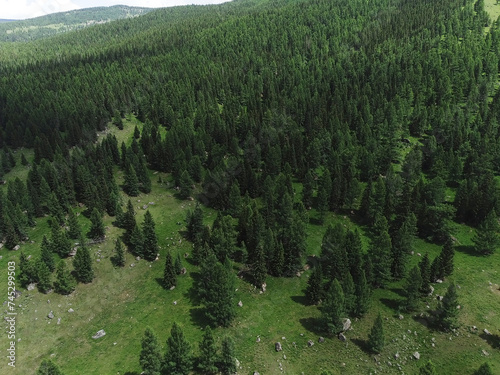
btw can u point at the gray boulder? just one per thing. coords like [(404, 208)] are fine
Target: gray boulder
[(278, 347), (346, 324), (342, 337), (51, 315), (99, 334)]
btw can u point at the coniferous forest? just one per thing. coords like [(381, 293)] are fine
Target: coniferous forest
[(302, 187)]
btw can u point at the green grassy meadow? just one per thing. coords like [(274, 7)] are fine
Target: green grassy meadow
[(124, 301)]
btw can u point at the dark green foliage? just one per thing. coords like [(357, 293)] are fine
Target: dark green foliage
[(487, 239), (74, 231), (412, 289), (227, 361), (185, 185), (82, 264), (278, 260), (131, 182), (425, 273), (128, 221), (96, 230), (48, 368), (380, 252), (259, 270), (428, 369), (65, 283), (308, 190), (60, 243), (348, 288), (333, 308), (314, 289), (485, 369), (44, 276), (208, 353), (169, 278), (150, 240), (447, 258), (234, 200), (150, 357), (217, 292), (447, 310), (376, 338), (136, 241), (46, 254), (27, 271), (402, 245), (178, 264), (177, 360), (137, 133), (119, 258), (362, 291), (194, 223)]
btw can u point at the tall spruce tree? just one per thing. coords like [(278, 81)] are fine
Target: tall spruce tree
[(119, 258), (413, 287), (381, 252), (75, 231), (314, 289), (82, 264), (150, 357), (425, 273), (177, 360), (65, 283), (447, 310), (136, 241), (44, 282), (259, 270), (208, 353), (447, 257), (348, 288), (46, 254), (169, 278), (376, 338), (185, 185), (194, 223), (333, 309), (402, 245), (362, 291), (487, 239), (227, 362), (96, 231), (150, 240), (131, 182), (485, 369)]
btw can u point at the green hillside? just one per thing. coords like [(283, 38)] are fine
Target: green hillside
[(56, 23), (270, 169)]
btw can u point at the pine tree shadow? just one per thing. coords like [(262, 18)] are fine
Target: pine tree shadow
[(131, 373), (429, 321), (394, 304), (362, 344), (192, 293), (302, 300), (198, 317), (313, 325), (398, 291), (492, 340), (468, 250), (159, 280)]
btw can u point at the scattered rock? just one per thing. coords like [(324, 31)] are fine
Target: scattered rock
[(400, 317), (51, 315), (172, 287), (175, 302), (416, 355), (439, 298), (255, 373), (342, 337), (346, 324), (258, 339), (138, 258), (70, 310), (418, 254), (17, 247), (58, 320), (240, 304), (183, 270), (321, 340), (145, 207), (310, 343), (396, 356), (485, 353), (31, 286), (284, 356), (99, 334), (132, 264), (186, 255), (432, 290), (487, 332), (278, 347), (439, 281), (264, 286)]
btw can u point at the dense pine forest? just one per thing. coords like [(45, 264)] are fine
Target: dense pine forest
[(302, 187)]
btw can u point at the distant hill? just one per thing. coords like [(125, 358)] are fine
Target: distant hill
[(51, 24)]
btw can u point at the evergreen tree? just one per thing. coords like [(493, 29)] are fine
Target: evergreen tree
[(48, 368), (60, 243), (177, 360), (136, 241), (402, 245), (169, 278), (131, 182), (150, 357), (314, 288), (447, 310), (234, 201), (96, 230), (65, 283), (185, 185), (413, 287), (381, 252), (208, 353), (487, 240), (349, 293), (485, 369), (129, 222), (428, 369), (436, 269), (119, 253), (44, 283), (376, 339), (259, 270), (425, 273), (227, 362), (75, 232), (150, 240), (178, 264), (278, 260), (363, 295), (82, 264), (446, 258), (333, 309), (46, 254), (308, 190), (27, 271), (194, 223)]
